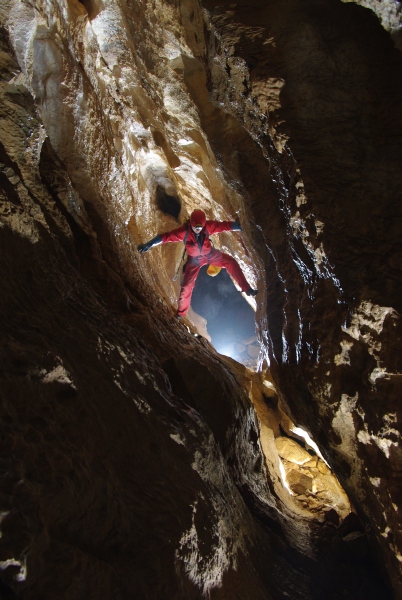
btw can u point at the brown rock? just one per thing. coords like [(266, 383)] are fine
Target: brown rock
[(117, 120), (292, 451), (322, 467), (298, 482), (331, 516)]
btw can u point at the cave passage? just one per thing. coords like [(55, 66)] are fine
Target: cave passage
[(230, 319), (168, 204)]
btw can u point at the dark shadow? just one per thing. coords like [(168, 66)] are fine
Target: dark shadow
[(160, 140), (91, 7), (170, 205), (6, 593)]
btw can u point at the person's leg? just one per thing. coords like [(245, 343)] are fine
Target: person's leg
[(219, 259), (189, 279)]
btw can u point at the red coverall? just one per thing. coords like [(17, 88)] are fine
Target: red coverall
[(200, 253)]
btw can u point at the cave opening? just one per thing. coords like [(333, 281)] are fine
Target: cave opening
[(230, 318), (168, 204)]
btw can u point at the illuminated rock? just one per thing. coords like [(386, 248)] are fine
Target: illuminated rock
[(292, 451), (299, 482)]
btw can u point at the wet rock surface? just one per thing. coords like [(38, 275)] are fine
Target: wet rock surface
[(333, 284), (136, 461)]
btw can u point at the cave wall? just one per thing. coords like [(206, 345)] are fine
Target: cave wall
[(112, 485), (130, 451), (327, 79)]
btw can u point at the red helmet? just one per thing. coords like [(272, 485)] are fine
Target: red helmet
[(197, 217)]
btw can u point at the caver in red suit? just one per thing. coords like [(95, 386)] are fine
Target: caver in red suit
[(200, 252)]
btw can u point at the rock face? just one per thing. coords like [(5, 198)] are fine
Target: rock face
[(333, 265), (389, 14), (135, 461)]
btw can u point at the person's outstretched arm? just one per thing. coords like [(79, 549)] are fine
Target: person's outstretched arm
[(177, 235), (148, 245)]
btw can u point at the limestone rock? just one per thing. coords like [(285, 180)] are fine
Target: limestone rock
[(333, 273), (133, 464), (292, 451), (299, 482)]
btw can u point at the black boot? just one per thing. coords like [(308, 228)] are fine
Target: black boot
[(251, 292)]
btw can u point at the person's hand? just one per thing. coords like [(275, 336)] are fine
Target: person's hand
[(144, 247), (236, 226), (148, 245)]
